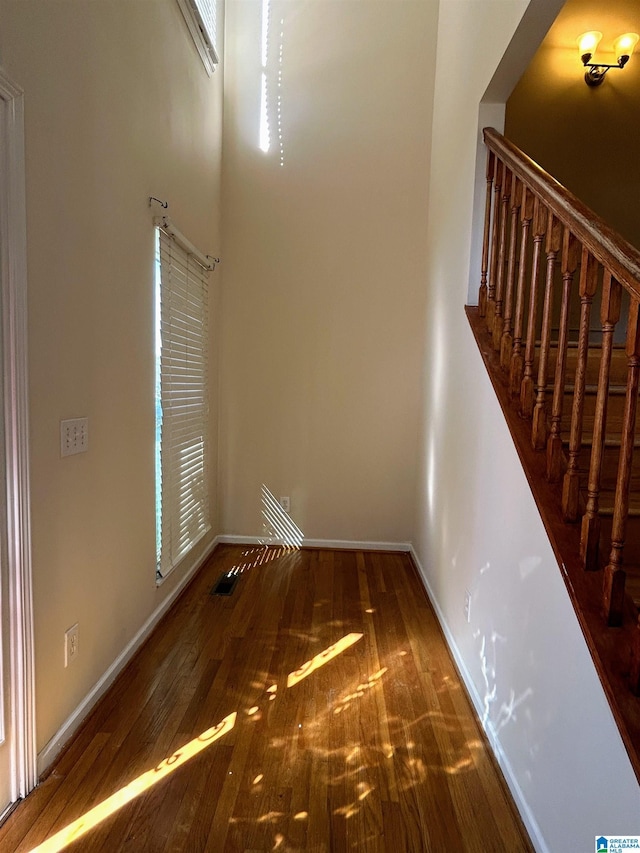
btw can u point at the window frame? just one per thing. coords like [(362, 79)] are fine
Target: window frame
[(202, 39)]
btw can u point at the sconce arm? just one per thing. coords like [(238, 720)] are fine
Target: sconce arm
[(596, 71)]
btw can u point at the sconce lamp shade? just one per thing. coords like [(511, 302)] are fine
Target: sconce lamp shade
[(587, 44), (624, 46)]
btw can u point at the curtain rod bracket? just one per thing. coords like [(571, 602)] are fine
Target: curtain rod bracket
[(163, 204)]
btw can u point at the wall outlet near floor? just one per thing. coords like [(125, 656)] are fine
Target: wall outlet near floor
[(285, 504), (74, 436), (70, 644), (467, 605)]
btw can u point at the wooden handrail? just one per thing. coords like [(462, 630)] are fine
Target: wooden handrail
[(605, 244)]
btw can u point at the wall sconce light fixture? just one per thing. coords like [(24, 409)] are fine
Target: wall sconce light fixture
[(623, 47)]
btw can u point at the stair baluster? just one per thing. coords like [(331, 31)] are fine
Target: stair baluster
[(609, 315), (526, 386), (571, 482), (614, 574), (539, 428), (482, 296), (634, 674), (502, 256), (555, 456), (517, 361), (495, 230), (504, 342)]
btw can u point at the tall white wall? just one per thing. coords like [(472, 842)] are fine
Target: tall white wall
[(118, 107), (324, 261), (477, 528)]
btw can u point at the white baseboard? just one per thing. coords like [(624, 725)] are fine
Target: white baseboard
[(337, 544), (50, 752), (505, 765)]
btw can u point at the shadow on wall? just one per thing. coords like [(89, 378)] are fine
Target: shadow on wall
[(489, 642)]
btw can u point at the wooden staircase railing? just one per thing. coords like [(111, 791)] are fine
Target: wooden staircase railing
[(560, 302)]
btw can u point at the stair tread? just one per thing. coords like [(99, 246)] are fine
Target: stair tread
[(615, 390)]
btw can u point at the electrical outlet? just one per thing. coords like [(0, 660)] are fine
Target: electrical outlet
[(285, 504), (467, 605), (70, 644), (74, 436)]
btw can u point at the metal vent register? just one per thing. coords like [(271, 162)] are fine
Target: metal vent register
[(225, 584)]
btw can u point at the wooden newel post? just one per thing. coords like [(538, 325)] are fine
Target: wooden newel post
[(609, 315), (495, 231), (516, 364), (526, 386), (614, 575), (555, 458), (539, 428), (482, 296), (571, 483)]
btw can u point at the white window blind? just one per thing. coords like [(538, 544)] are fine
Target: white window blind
[(182, 498), (201, 17), (207, 10)]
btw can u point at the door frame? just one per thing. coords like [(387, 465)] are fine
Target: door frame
[(16, 527)]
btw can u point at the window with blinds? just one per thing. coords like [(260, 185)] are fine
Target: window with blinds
[(201, 17), (182, 497)]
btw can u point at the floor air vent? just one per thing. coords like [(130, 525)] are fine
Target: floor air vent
[(225, 584)]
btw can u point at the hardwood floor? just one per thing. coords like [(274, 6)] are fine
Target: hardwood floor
[(315, 709)]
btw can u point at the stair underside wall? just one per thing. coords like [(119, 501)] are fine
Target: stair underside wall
[(523, 649)]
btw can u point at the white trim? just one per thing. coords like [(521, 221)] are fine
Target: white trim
[(51, 751), (337, 544), (16, 427), (505, 765), (5, 814), (204, 47)]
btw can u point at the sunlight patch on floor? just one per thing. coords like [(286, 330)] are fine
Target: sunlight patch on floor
[(106, 808), (322, 658)]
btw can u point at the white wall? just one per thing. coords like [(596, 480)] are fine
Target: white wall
[(118, 107), (324, 263), (477, 527)]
